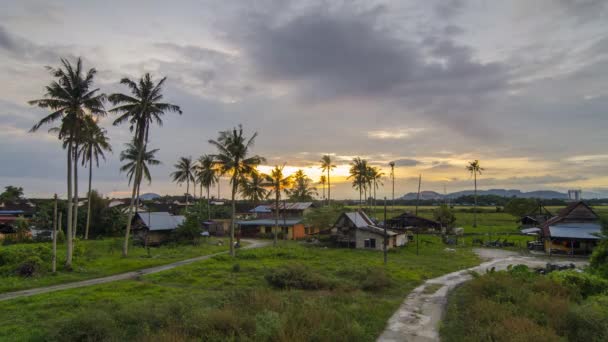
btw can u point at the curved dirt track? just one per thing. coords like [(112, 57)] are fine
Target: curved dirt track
[(418, 317), (121, 276)]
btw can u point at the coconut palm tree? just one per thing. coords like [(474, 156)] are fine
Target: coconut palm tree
[(327, 166), (323, 181), (131, 154), (233, 158), (279, 183), (358, 172), (375, 175), (474, 168), (255, 187), (184, 172), (302, 189), (70, 97), (94, 144), (140, 109), (206, 174), (392, 165)]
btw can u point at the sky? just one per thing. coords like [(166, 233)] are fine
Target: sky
[(521, 86)]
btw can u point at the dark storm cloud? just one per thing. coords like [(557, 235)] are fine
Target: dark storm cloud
[(406, 162), (21, 48)]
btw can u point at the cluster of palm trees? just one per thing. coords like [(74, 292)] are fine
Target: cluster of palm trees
[(366, 179), (76, 105)]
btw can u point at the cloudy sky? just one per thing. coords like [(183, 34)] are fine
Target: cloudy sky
[(520, 85)]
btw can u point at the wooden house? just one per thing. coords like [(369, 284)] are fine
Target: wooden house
[(152, 229), (297, 209), (409, 221), (357, 230), (536, 217), (290, 228), (574, 230)]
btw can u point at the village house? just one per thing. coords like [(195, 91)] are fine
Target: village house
[(289, 228), (409, 221), (153, 229), (357, 230), (290, 210), (535, 217), (574, 230)]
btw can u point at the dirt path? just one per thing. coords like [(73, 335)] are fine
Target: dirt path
[(418, 317), (121, 276)]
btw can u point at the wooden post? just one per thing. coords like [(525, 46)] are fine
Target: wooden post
[(385, 233), (54, 258)]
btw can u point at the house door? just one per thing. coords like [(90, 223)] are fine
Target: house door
[(372, 243)]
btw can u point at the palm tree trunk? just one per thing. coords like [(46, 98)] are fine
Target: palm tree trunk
[(328, 189), (475, 206), (187, 191), (75, 226), (232, 225), (137, 180), (86, 232), (69, 247), (208, 203), (54, 257), (219, 179), (360, 199), (276, 217)]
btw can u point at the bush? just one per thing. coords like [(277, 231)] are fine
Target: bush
[(89, 325), (588, 321), (296, 276), (376, 280), (267, 324), (12, 258), (584, 283), (189, 231), (30, 266)]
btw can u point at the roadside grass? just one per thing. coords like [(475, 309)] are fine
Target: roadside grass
[(335, 294), (99, 258)]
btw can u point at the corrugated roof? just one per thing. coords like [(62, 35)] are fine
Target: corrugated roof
[(576, 231), (261, 209), (359, 219), (161, 220), (292, 206), (270, 222), (378, 230)]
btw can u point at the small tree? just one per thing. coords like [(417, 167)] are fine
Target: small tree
[(11, 194), (323, 218), (519, 207), (189, 231), (445, 215)]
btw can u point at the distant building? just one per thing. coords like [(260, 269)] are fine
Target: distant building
[(155, 228), (290, 228), (297, 209), (357, 230), (535, 217), (409, 221), (574, 230), (575, 195)]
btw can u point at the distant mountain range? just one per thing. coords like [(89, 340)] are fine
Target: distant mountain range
[(148, 196), (544, 194)]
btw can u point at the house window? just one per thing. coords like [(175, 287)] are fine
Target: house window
[(366, 243), (372, 243)]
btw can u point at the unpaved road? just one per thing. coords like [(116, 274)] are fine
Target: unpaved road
[(418, 317), (121, 276)]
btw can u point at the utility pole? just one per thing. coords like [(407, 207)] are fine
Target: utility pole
[(385, 233), (54, 257), (392, 165), (418, 195)]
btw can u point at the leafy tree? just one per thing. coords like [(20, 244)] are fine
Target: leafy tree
[(327, 166), (323, 218), (445, 215), (519, 207), (279, 183), (254, 187), (599, 258), (184, 172), (140, 109), (206, 174), (323, 181), (358, 172), (189, 231), (11, 194), (95, 142), (474, 168), (70, 97), (130, 154), (233, 158), (302, 189), (375, 178)]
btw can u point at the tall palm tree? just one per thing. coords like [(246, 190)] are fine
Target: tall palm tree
[(327, 166), (140, 109), (131, 155), (392, 165), (474, 168), (375, 175), (70, 97), (232, 158), (323, 181), (302, 189), (279, 183), (206, 174), (184, 172), (94, 144), (358, 172), (254, 187)]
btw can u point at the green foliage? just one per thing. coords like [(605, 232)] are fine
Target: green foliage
[(445, 215), (189, 231), (324, 217), (24, 259), (11, 194), (302, 189), (267, 324), (519, 207), (296, 276), (376, 280), (30, 266), (584, 283), (588, 321)]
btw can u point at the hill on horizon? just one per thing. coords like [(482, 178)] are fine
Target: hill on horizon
[(543, 194)]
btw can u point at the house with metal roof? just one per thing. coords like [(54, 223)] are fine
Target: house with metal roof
[(357, 230), (409, 221), (155, 228), (288, 228), (574, 230), (296, 209)]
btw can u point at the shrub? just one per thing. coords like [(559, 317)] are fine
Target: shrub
[(236, 268), (267, 324), (376, 280), (30, 266), (189, 231), (588, 321), (296, 276), (89, 325), (584, 283)]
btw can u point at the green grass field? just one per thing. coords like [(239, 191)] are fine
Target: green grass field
[(98, 258), (217, 300)]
